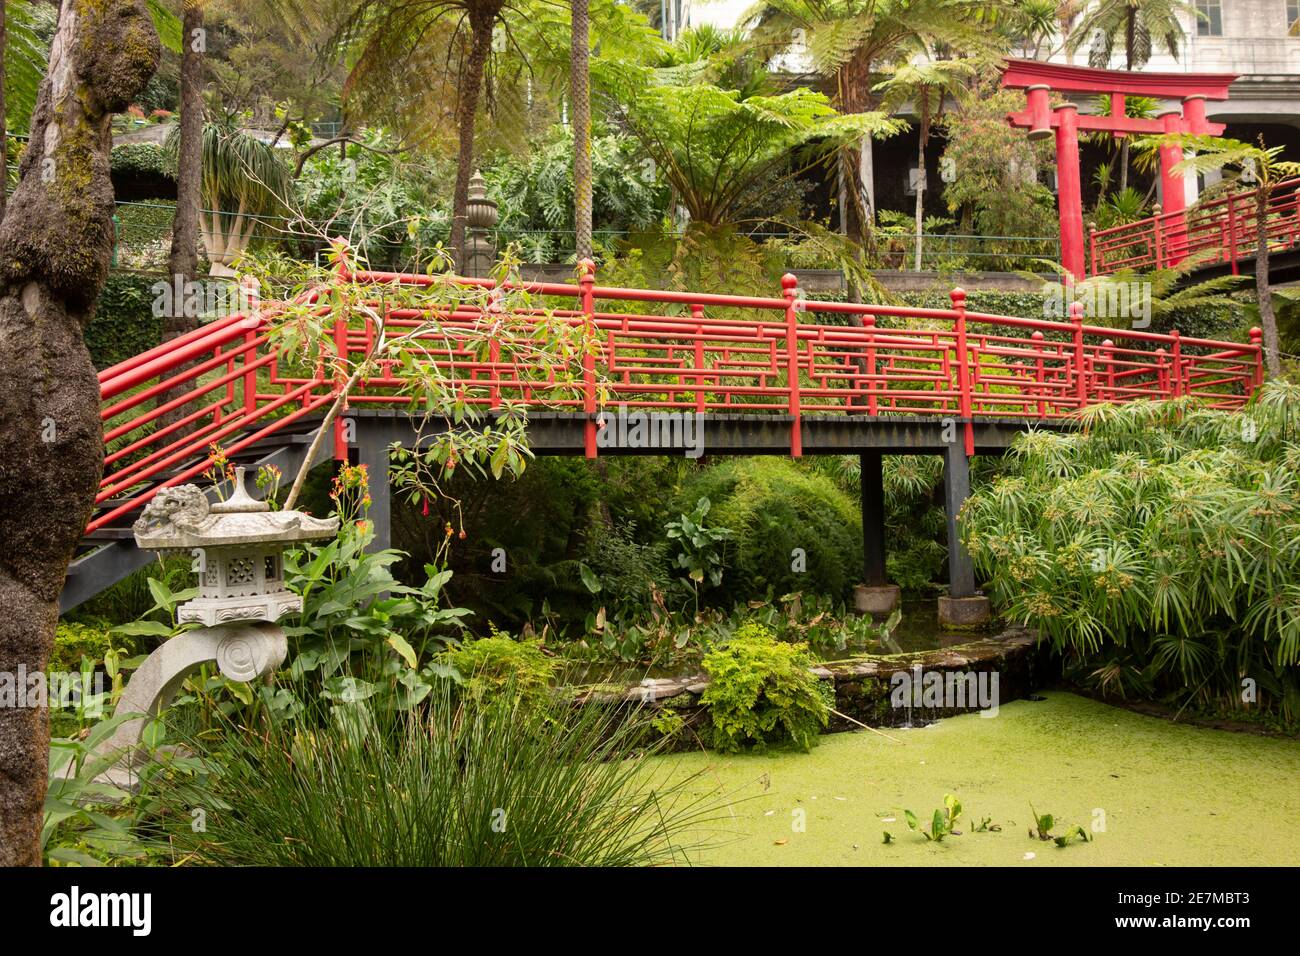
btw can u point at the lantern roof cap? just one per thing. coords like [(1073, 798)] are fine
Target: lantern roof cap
[(182, 518)]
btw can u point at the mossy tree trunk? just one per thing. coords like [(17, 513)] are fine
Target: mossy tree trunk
[(55, 246)]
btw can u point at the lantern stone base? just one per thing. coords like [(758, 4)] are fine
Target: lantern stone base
[(877, 600), (243, 652), (215, 611), (964, 611)]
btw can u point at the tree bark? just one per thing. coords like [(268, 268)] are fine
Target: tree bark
[(1263, 291), (482, 18), (4, 122), (183, 262), (54, 257), (580, 94)]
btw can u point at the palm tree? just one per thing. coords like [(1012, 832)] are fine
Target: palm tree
[(1138, 26), (849, 41), (1262, 165), (926, 85), (580, 101), (243, 179), (380, 33)]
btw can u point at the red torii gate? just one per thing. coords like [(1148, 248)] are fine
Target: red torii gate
[(1039, 80)]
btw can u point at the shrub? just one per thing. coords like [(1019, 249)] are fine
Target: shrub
[(772, 507), (1157, 547), (491, 664), (73, 641), (460, 782), (761, 691)]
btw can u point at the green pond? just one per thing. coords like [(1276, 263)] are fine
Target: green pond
[(1168, 794)]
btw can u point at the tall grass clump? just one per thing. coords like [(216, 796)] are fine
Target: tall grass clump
[(463, 780), (1158, 547)]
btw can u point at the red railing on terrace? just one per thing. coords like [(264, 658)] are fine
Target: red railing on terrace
[(765, 356), (1223, 230)]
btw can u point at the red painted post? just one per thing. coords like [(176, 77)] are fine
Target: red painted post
[(1232, 231), (1173, 195), (1080, 373), (1162, 374), (1257, 343), (1108, 359), (586, 280), (1069, 189), (697, 313), (958, 297), (494, 358), (1037, 338), (1039, 103), (1177, 359), (340, 378), (1092, 247), (789, 287), (869, 324)]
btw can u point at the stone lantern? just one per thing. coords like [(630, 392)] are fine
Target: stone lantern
[(238, 547), (480, 216)]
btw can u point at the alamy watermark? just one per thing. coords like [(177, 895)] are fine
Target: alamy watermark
[(80, 690), (948, 690), (636, 429), (194, 299)]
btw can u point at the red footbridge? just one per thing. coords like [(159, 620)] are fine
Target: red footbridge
[(1217, 237), (777, 375)]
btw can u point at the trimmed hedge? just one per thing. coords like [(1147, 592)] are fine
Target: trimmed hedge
[(774, 506)]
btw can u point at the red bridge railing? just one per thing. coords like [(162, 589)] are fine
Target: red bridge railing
[(230, 384), (1223, 230)]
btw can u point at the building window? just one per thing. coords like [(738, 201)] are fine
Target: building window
[(1292, 13), (1209, 22)]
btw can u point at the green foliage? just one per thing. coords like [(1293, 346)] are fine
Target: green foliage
[(535, 194), (83, 824), (1158, 547), (762, 692), (466, 781), (493, 665), (995, 189), (774, 506), (391, 207), (73, 641), (717, 146), (124, 324), (699, 546), (140, 159), (353, 605), (941, 824), (1044, 823)]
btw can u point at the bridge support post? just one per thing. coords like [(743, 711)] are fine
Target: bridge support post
[(875, 595), (962, 606), (372, 451)]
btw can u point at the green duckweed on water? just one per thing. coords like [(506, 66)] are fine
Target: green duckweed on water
[(1170, 794)]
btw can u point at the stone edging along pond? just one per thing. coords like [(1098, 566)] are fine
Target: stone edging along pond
[(865, 686)]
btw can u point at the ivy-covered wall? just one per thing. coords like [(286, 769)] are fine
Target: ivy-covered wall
[(124, 324)]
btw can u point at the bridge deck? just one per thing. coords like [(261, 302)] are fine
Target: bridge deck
[(753, 375)]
